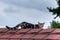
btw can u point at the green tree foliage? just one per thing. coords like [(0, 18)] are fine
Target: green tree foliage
[(55, 11), (55, 24)]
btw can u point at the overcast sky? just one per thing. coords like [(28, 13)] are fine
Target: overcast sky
[(13, 12)]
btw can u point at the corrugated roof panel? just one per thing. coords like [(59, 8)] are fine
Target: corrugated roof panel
[(1, 35), (26, 39), (34, 30), (3, 29), (56, 31), (3, 39), (39, 36), (58, 38), (14, 39), (27, 36), (15, 36), (12, 32), (46, 31), (23, 31), (5, 36), (52, 36)]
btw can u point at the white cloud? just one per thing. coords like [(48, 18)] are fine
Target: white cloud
[(34, 4), (23, 14), (1, 9), (17, 11)]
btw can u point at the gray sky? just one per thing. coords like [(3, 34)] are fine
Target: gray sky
[(13, 12)]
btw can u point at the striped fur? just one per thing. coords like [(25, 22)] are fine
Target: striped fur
[(22, 25)]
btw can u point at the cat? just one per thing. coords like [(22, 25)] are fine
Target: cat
[(23, 25)]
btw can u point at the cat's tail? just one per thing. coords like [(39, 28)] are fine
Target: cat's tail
[(13, 28)]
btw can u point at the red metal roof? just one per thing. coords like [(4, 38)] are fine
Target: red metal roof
[(4, 36), (56, 31), (39, 36), (34, 31), (27, 36), (53, 36), (22, 31), (46, 31), (30, 34), (15, 36)]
